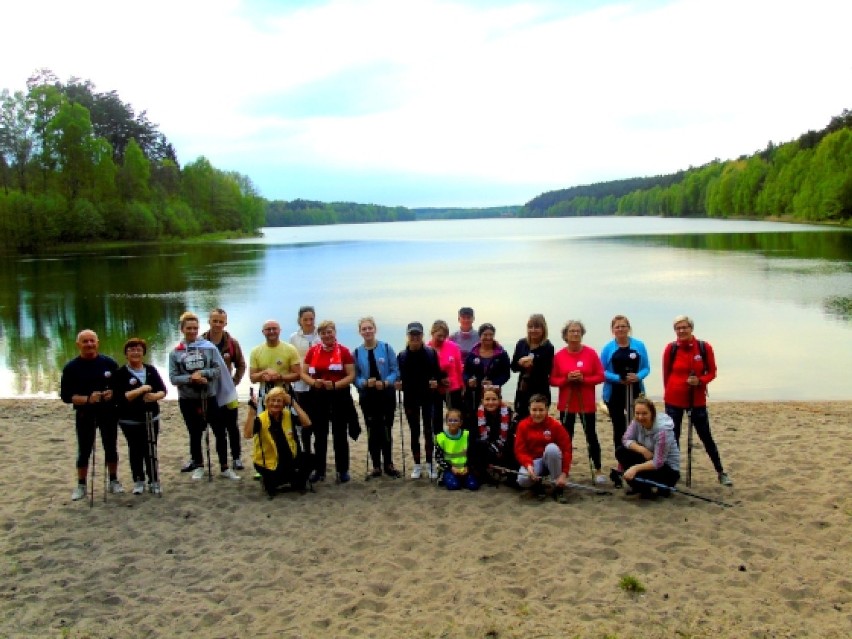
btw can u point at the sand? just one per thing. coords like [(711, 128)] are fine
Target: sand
[(404, 558)]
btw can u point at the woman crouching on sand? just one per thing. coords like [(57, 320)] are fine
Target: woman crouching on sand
[(542, 447), (649, 450), (278, 455)]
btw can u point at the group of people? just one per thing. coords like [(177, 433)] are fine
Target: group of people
[(450, 389)]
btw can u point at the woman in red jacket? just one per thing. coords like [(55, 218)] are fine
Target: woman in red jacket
[(688, 366), (577, 369)]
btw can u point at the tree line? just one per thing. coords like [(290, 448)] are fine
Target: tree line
[(808, 179), (78, 165)]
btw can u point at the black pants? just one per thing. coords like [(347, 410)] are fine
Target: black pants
[(588, 421), (331, 408), (616, 407), (87, 421), (378, 408), (228, 417), (136, 435), (482, 454), (414, 410), (664, 475), (701, 423), (196, 423)]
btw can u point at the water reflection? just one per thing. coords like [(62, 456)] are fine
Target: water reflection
[(746, 290)]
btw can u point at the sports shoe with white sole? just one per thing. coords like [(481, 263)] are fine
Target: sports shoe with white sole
[(138, 487), (416, 472), (155, 488), (725, 480), (229, 474), (238, 464), (198, 473), (601, 479), (79, 492), (115, 487), (433, 471)]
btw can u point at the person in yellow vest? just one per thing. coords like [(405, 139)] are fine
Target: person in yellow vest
[(451, 454), (278, 455)]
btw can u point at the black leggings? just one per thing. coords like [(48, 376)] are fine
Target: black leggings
[(86, 422), (701, 422), (413, 413), (616, 407), (664, 475), (378, 408), (594, 445), (196, 423), (137, 449)]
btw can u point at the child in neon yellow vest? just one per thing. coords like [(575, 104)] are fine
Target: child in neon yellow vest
[(451, 446)]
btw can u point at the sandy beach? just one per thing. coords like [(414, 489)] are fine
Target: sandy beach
[(404, 558)]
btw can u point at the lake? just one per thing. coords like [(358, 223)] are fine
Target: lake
[(774, 300)]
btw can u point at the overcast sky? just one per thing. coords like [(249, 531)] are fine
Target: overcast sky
[(469, 103)]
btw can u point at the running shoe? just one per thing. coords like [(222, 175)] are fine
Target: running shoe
[(390, 471), (189, 466), (416, 472), (725, 480), (344, 478), (115, 487), (138, 487), (199, 473), (79, 492), (600, 479), (238, 464), (155, 488), (433, 471), (229, 474)]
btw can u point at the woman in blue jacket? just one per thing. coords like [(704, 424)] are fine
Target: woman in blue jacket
[(626, 364), (376, 371)]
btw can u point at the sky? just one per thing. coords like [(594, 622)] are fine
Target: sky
[(449, 103)]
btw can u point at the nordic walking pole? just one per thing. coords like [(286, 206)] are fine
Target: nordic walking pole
[(585, 432), (401, 432), (92, 478), (689, 434), (153, 463), (206, 435), (674, 489)]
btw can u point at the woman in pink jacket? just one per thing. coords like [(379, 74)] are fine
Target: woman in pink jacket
[(450, 361), (577, 369)]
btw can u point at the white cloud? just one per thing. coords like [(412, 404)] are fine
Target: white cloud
[(534, 93)]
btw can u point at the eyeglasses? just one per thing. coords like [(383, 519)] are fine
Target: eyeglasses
[(620, 326)]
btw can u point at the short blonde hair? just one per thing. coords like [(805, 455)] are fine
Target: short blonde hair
[(275, 392), (440, 325), (683, 318), (326, 324), (187, 316)]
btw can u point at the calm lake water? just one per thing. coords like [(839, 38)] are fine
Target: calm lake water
[(775, 300)]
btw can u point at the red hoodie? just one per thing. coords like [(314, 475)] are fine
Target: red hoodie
[(531, 439)]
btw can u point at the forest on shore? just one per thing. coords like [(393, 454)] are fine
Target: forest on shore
[(808, 180), (81, 166)]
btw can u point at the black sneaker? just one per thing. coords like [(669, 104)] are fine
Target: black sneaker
[(615, 477), (189, 466)]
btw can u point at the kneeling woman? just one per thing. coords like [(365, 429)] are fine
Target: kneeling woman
[(649, 449), (451, 450), (493, 441), (542, 447), (278, 455)]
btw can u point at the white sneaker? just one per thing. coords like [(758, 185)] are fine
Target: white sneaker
[(600, 480), (198, 473), (115, 487), (138, 487), (229, 474), (79, 492), (433, 471), (415, 472), (155, 488)]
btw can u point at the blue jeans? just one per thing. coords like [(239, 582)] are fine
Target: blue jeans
[(701, 423)]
